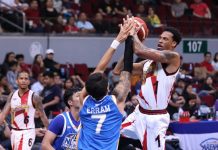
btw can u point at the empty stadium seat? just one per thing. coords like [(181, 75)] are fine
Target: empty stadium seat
[(82, 70), (209, 100)]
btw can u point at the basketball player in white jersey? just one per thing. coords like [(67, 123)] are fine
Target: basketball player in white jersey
[(150, 120), (22, 104)]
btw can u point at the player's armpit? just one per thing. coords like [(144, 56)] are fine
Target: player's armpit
[(123, 87)]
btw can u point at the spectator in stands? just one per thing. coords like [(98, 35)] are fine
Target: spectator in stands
[(77, 81), (57, 80), (37, 66), (12, 75), (49, 15), (208, 88), (22, 65), (178, 8), (5, 89), (37, 87), (206, 64), (215, 62), (105, 8), (153, 18), (51, 95), (70, 8), (180, 86), (84, 25), (59, 26), (9, 57), (177, 101), (131, 104), (100, 25), (33, 17), (141, 12), (58, 5), (50, 64), (68, 84), (119, 9), (192, 100), (200, 9), (71, 26)]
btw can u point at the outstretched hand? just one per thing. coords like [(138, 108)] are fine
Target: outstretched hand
[(125, 28)]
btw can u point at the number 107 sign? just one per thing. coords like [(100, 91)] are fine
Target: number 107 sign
[(194, 46)]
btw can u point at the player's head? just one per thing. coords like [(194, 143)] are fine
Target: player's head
[(23, 80), (97, 85), (71, 98), (48, 78), (169, 39)]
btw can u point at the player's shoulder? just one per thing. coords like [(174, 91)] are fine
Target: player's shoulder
[(58, 119)]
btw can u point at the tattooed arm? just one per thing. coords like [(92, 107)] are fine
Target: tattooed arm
[(6, 110), (122, 89), (37, 100)]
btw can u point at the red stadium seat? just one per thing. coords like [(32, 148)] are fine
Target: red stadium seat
[(82, 70), (209, 100)]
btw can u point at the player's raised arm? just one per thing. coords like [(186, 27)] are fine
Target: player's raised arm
[(6, 109), (37, 100), (123, 87), (103, 63)]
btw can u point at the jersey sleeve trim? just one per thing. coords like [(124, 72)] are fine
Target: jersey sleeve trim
[(64, 128)]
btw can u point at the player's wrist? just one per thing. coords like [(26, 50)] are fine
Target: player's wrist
[(115, 44)]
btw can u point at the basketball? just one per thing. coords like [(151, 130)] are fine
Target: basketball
[(143, 32)]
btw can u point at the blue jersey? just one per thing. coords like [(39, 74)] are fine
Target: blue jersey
[(100, 124), (67, 139)]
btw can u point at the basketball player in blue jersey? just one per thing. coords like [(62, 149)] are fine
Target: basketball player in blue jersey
[(101, 114), (63, 129)]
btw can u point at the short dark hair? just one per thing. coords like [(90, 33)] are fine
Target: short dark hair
[(68, 94), (49, 74), (97, 85), (205, 54), (176, 34), (18, 56), (18, 74)]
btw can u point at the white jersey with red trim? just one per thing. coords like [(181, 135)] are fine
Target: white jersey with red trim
[(22, 111), (156, 87)]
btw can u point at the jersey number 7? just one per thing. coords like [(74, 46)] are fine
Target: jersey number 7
[(101, 118)]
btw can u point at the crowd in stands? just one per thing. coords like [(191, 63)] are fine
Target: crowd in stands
[(103, 16), (197, 85)]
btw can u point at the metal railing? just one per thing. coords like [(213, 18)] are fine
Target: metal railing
[(23, 28)]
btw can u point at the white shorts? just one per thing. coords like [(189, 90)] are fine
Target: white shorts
[(149, 129), (22, 139)]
